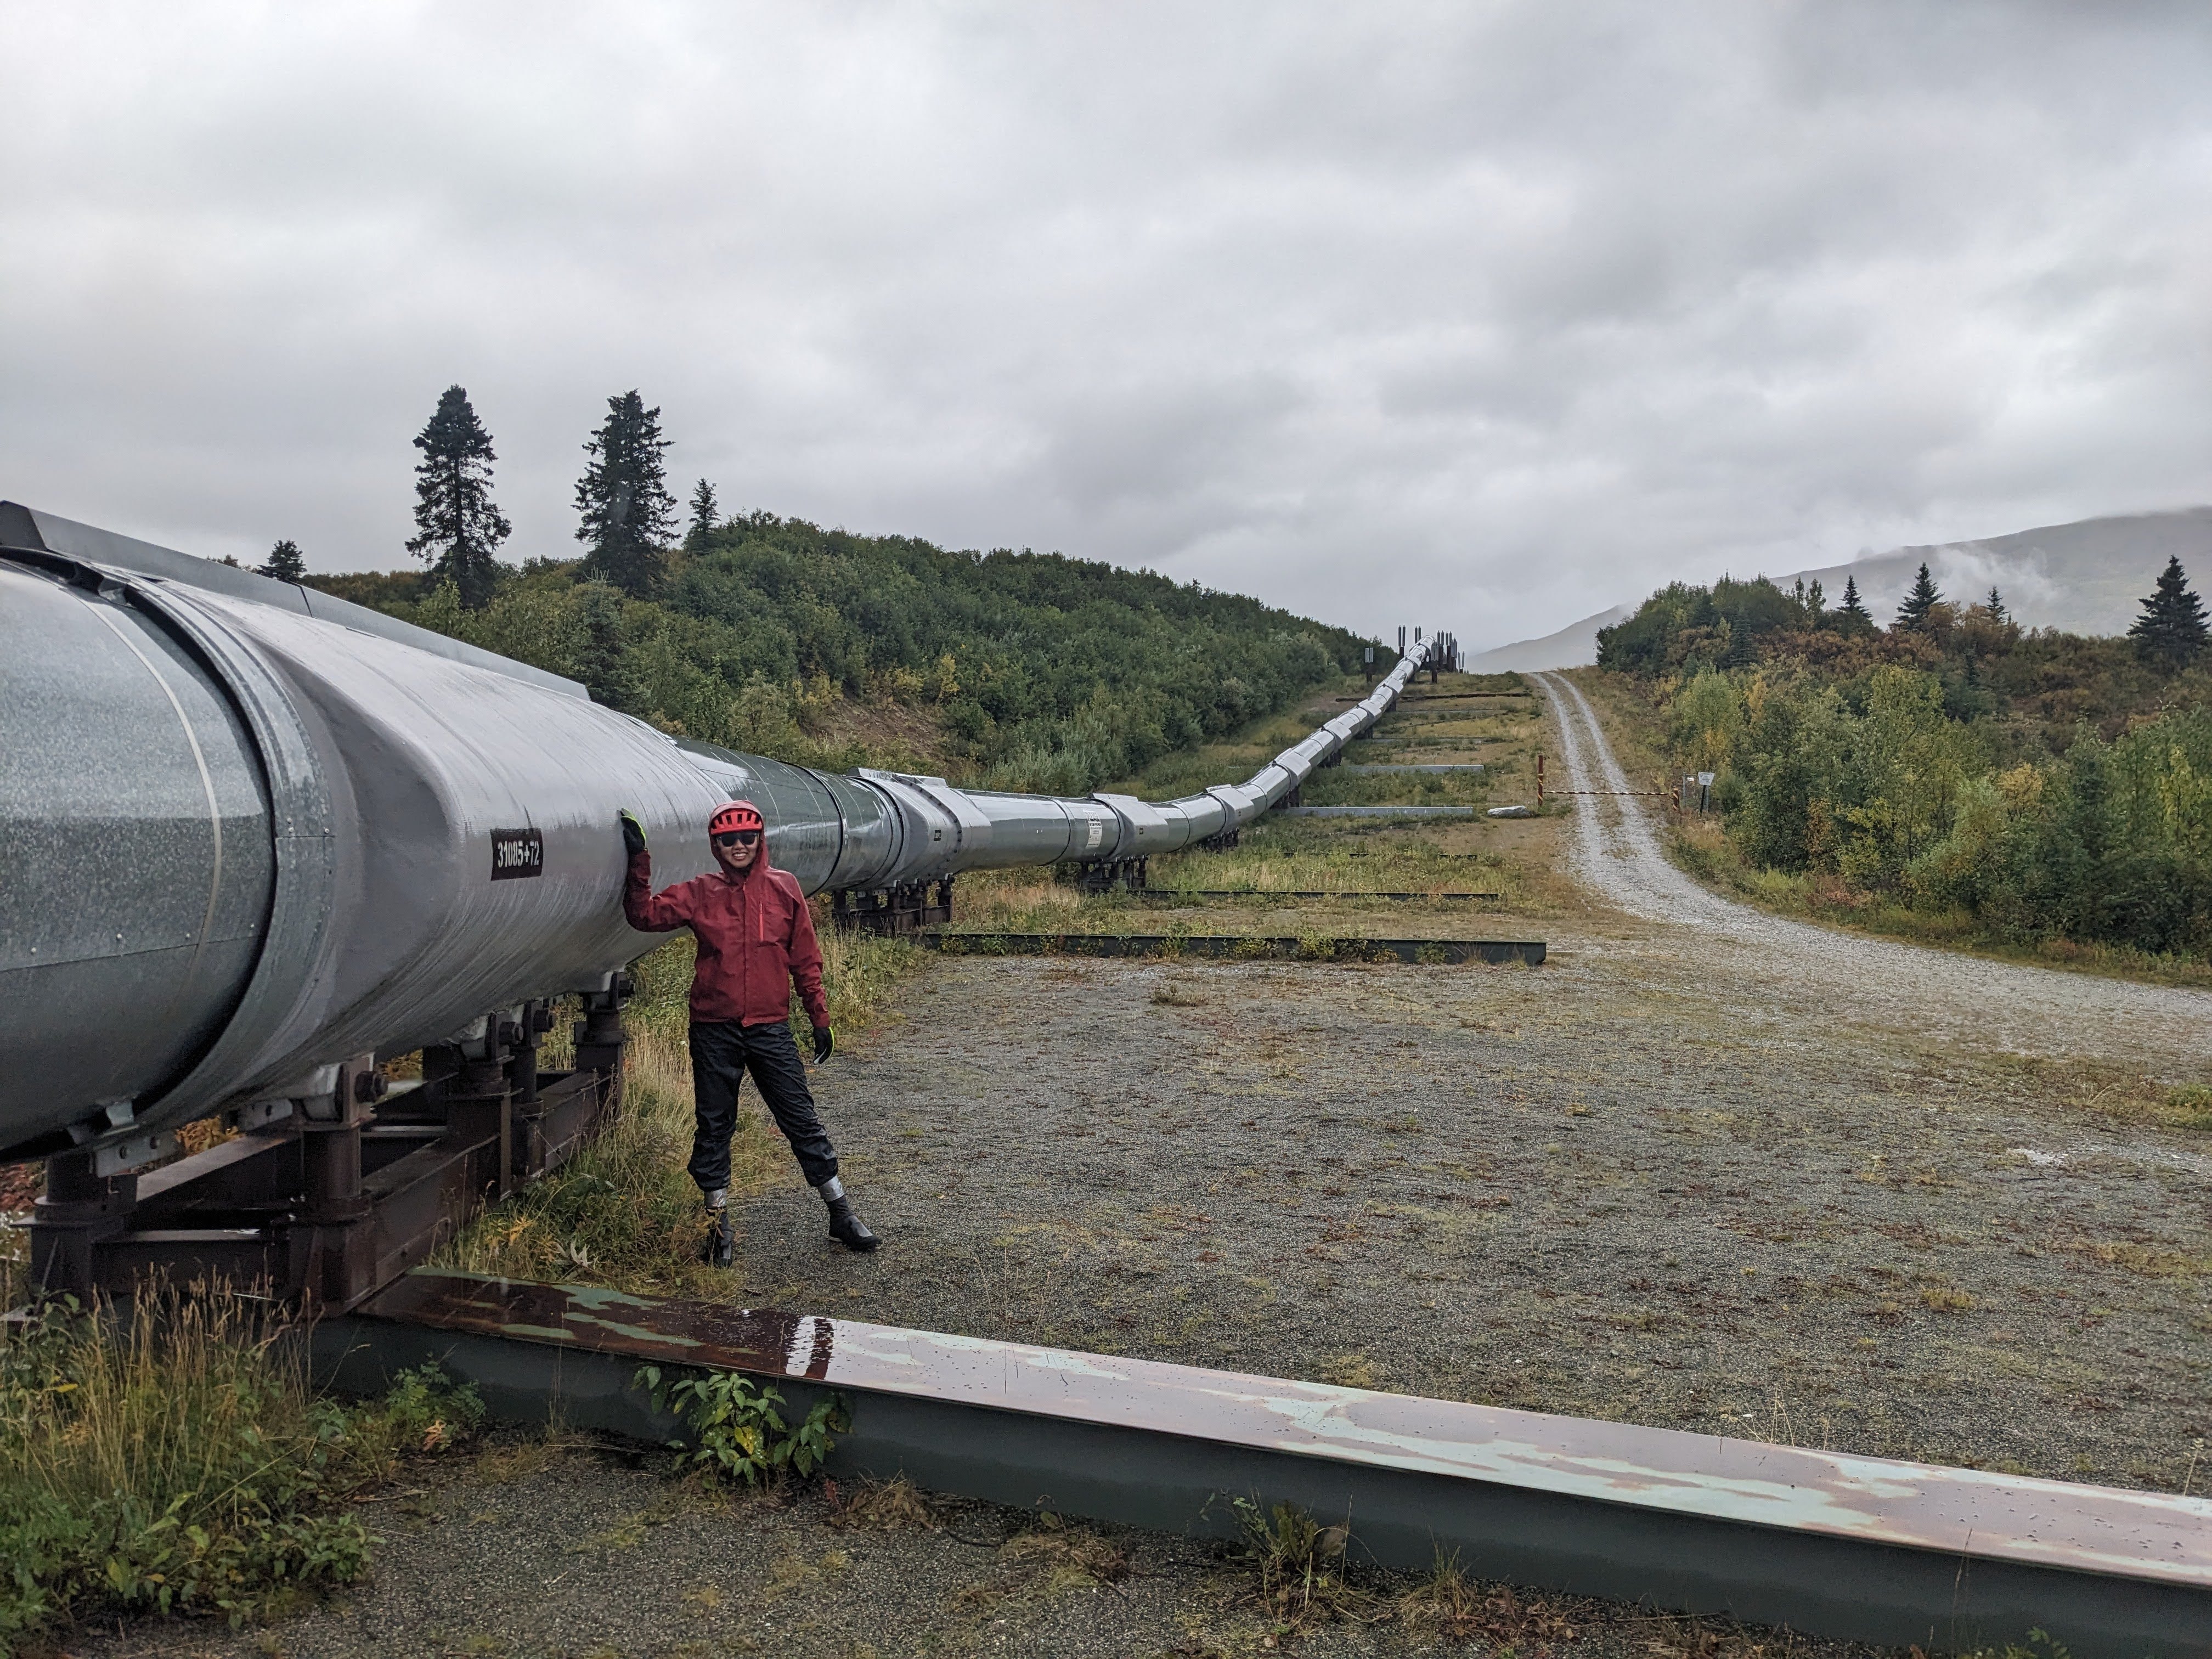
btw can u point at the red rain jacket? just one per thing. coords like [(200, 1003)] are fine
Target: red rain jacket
[(755, 937)]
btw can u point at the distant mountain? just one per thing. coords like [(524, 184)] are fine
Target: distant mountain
[(1570, 647), (2087, 578)]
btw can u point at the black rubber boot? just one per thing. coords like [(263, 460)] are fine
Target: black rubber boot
[(722, 1249), (845, 1227)]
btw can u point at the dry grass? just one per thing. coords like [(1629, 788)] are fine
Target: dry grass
[(891, 1505), (1178, 994), (1450, 1604), (167, 1455), (624, 1212), (1058, 1558), (2116, 1094), (1351, 1370), (1298, 1566)]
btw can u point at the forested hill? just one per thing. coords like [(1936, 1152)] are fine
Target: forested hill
[(1026, 671), (1952, 773)]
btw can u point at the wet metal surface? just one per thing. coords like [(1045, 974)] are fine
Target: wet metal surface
[(138, 863), (1238, 947), (1961, 1514)]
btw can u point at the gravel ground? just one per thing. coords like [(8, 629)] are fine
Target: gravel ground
[(533, 1550), (1707, 1169)]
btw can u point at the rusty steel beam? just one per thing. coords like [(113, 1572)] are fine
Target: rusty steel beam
[(1863, 1548)]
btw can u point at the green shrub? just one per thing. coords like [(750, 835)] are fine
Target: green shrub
[(1928, 771), (167, 1456), (739, 1427)]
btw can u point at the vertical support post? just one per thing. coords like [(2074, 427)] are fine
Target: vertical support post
[(470, 1077), (340, 1255), (80, 1208), (530, 1149), (600, 1037), (1540, 777)]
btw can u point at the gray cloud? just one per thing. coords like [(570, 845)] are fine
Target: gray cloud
[(1484, 315)]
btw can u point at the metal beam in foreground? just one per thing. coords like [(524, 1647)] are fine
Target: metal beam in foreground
[(1856, 1547)]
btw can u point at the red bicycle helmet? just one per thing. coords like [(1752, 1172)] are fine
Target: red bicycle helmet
[(738, 815)]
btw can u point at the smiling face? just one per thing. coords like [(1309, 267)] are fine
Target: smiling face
[(735, 850)]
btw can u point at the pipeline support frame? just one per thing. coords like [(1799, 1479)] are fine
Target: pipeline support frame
[(348, 1187)]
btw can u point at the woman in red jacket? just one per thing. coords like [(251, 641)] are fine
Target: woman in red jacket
[(755, 940)]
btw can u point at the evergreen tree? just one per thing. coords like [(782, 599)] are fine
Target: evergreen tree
[(1852, 612), (623, 498), (285, 563), (1996, 606), (602, 656), (1922, 599), (703, 516), (2171, 632), (1816, 601), (457, 527)]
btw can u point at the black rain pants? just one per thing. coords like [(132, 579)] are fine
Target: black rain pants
[(722, 1052)]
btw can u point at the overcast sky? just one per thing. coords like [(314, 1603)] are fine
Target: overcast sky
[(1481, 315)]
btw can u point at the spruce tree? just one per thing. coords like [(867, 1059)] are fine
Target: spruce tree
[(703, 517), (1996, 606), (457, 527), (623, 500), (2171, 632), (1922, 599), (1852, 613), (285, 563), (602, 656)]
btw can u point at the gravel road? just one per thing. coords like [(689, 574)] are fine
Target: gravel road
[(2026, 1010)]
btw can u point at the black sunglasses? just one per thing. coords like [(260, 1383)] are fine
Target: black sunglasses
[(736, 838)]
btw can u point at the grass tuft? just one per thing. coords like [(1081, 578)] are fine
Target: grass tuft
[(1450, 1604), (166, 1455), (1299, 1565), (890, 1505), (1067, 1558)]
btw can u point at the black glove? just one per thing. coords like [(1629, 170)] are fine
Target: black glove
[(632, 833), (821, 1044)]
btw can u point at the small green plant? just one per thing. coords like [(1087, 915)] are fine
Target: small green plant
[(424, 1410), (740, 1428), (1299, 1563)]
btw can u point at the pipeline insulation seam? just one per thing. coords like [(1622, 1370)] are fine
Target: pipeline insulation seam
[(207, 786)]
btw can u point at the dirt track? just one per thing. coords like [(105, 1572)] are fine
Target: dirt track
[(1980, 1004)]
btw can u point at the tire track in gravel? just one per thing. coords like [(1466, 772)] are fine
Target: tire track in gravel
[(1969, 1000)]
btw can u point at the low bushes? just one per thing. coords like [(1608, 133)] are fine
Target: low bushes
[(169, 1456)]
